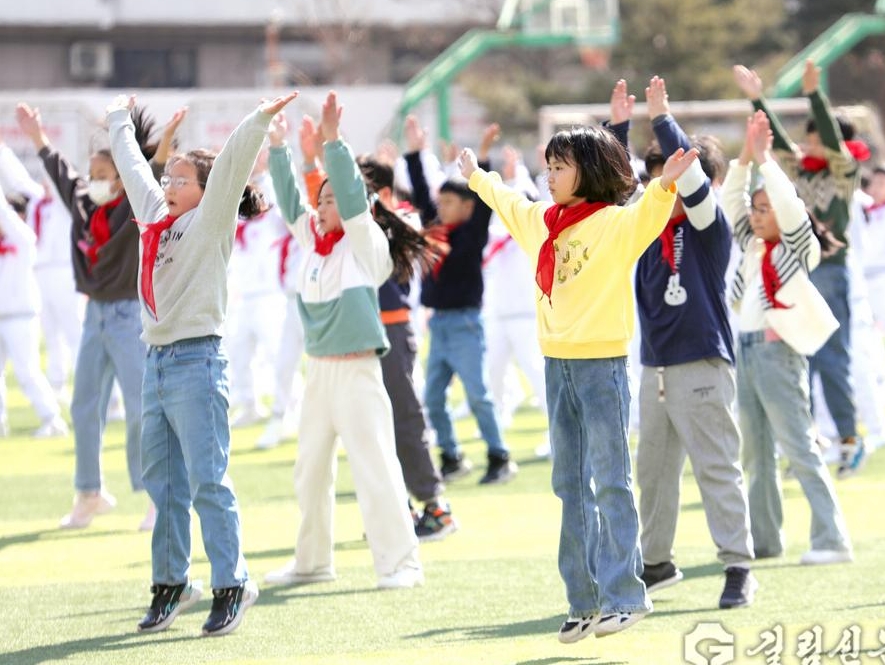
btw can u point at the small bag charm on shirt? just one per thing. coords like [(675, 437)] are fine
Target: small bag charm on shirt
[(675, 294)]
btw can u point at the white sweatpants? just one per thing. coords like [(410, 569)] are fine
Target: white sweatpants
[(288, 384), (19, 343), (251, 344), (61, 319), (517, 339), (347, 399)]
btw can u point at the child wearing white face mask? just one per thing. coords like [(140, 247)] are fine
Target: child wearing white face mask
[(105, 257)]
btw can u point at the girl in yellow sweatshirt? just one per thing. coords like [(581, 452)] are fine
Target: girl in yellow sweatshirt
[(583, 247)]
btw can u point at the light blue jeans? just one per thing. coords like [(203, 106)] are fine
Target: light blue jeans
[(599, 554), (833, 360), (185, 448), (458, 346), (774, 406), (110, 347)]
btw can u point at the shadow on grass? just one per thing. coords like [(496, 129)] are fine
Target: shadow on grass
[(63, 650), (50, 534)]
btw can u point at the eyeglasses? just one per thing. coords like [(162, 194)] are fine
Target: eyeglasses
[(762, 210), (178, 182)]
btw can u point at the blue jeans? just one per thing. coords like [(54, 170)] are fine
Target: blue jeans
[(599, 554), (185, 450), (110, 347), (458, 346), (833, 360), (774, 406)]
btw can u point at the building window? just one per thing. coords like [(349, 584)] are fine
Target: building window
[(154, 68)]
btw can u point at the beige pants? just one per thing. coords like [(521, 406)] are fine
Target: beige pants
[(347, 398)]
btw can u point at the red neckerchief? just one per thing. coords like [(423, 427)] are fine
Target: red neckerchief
[(668, 254), (99, 230), (438, 237), (495, 248), (558, 218), (284, 256), (324, 244), (38, 214), (150, 245), (873, 208), (240, 237), (858, 149), (771, 281), (5, 248)]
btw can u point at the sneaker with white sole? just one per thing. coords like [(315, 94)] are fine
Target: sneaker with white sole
[(228, 607), (660, 576), (87, 505), (168, 602), (852, 455), (577, 628), (404, 578), (272, 434), (51, 427), (825, 557), (609, 624), (288, 575)]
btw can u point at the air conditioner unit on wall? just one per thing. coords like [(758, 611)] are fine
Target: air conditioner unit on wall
[(91, 61)]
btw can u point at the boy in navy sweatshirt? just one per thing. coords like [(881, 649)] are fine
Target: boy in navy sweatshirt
[(459, 224)]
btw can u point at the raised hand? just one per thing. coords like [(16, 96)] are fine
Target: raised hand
[(310, 139), (274, 106), (746, 155), (489, 135), (330, 118), (810, 77), (416, 137), (31, 124), (278, 130), (510, 162), (656, 97), (449, 151), (761, 137), (167, 139), (621, 104), (748, 81), (676, 165), (387, 152), (467, 163)]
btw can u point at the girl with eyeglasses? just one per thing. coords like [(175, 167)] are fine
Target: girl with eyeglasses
[(783, 319), (187, 225), (104, 250)]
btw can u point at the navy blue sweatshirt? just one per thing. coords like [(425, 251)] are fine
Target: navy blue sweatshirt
[(459, 283)]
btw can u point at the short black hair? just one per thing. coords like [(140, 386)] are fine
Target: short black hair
[(458, 187), (846, 127), (604, 171)]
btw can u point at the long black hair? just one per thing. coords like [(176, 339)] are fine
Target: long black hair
[(408, 246), (145, 128)]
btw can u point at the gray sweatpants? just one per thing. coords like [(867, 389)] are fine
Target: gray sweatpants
[(688, 409)]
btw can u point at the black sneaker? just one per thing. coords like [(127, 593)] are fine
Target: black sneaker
[(228, 607), (740, 585), (168, 602), (436, 522), (453, 467), (660, 576), (500, 470), (577, 628)]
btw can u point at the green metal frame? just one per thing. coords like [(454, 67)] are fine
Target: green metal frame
[(436, 78), (831, 45)]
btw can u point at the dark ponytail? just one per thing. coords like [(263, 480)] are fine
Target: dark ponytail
[(252, 202), (408, 247)]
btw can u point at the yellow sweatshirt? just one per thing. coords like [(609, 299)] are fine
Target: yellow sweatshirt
[(591, 311)]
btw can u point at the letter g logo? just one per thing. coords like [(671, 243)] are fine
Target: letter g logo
[(708, 644)]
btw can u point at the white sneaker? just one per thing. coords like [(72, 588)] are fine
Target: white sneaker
[(87, 505), (288, 575), (543, 450), (824, 557), (272, 435), (150, 518), (51, 427), (247, 416), (404, 578), (609, 624)]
